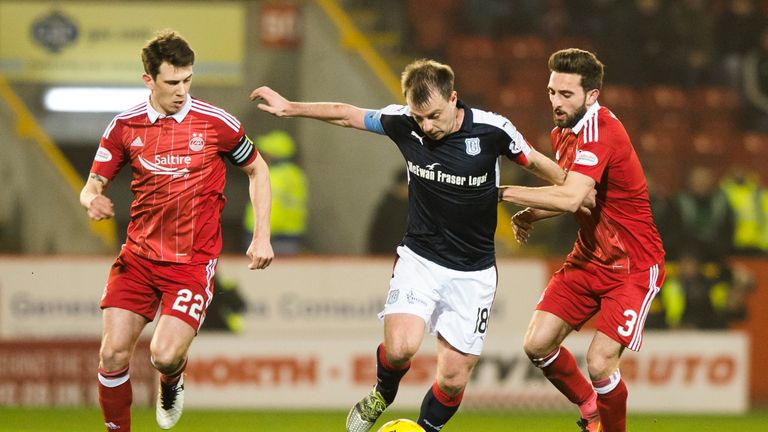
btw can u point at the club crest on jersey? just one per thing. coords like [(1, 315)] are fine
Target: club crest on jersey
[(197, 142), (473, 146)]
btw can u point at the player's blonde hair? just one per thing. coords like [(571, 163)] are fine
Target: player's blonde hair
[(424, 76)]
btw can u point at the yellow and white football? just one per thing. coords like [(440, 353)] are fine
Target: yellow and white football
[(400, 425)]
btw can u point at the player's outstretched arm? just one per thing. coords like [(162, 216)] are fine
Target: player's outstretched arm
[(260, 250), (576, 193), (93, 199), (337, 113)]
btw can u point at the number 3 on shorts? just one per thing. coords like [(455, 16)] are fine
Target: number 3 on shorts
[(629, 326), (183, 300)]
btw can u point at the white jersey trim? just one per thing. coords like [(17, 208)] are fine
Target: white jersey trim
[(517, 143), (133, 112), (591, 112), (653, 289), (219, 113)]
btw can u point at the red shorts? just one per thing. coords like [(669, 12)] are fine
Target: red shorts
[(141, 286), (575, 294)]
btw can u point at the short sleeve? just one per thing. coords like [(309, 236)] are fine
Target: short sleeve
[(111, 154)]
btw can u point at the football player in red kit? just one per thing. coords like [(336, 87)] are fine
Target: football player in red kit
[(617, 263), (176, 146)]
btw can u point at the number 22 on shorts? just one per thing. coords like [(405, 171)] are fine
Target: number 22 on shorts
[(186, 304)]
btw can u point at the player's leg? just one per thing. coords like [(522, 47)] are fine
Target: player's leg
[(403, 333), (168, 348), (460, 321), (128, 304), (409, 304), (546, 332), (187, 290), (568, 302), (121, 330), (620, 324), (442, 400), (603, 365)]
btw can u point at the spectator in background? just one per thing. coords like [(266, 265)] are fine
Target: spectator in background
[(754, 85), (749, 205), (661, 205), (387, 229), (704, 219), (289, 194), (702, 295)]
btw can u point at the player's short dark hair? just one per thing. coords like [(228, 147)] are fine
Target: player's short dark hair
[(166, 46), (581, 62), (424, 76)]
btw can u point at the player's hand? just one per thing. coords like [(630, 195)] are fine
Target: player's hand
[(101, 208), (590, 201), (273, 102), (261, 254), (522, 224)]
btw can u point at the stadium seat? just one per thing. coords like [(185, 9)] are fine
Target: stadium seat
[(666, 108), (751, 153), (474, 61), (719, 106), (715, 147), (431, 22), (523, 48), (564, 42), (661, 153), (525, 106), (625, 102)]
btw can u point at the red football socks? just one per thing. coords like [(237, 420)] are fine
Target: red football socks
[(612, 402), (115, 398), (561, 370)]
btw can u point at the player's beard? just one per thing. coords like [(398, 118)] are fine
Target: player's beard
[(571, 120)]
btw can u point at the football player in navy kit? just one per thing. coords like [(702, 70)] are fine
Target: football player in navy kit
[(445, 274)]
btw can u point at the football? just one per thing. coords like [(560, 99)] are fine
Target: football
[(400, 425)]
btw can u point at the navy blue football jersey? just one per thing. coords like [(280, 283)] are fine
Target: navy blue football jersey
[(452, 183)]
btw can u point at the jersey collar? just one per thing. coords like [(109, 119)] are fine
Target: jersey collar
[(466, 123), (179, 116), (592, 111)]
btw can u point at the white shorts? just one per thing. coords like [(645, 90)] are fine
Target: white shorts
[(455, 304)]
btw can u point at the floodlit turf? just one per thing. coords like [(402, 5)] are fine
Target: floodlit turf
[(87, 420)]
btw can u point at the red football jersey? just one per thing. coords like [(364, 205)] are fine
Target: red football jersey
[(620, 234), (178, 176)]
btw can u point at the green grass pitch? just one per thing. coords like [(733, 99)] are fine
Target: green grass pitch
[(89, 419)]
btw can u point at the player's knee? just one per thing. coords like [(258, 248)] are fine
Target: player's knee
[(166, 362), (400, 352), (112, 359), (452, 384), (599, 367), (537, 348)]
